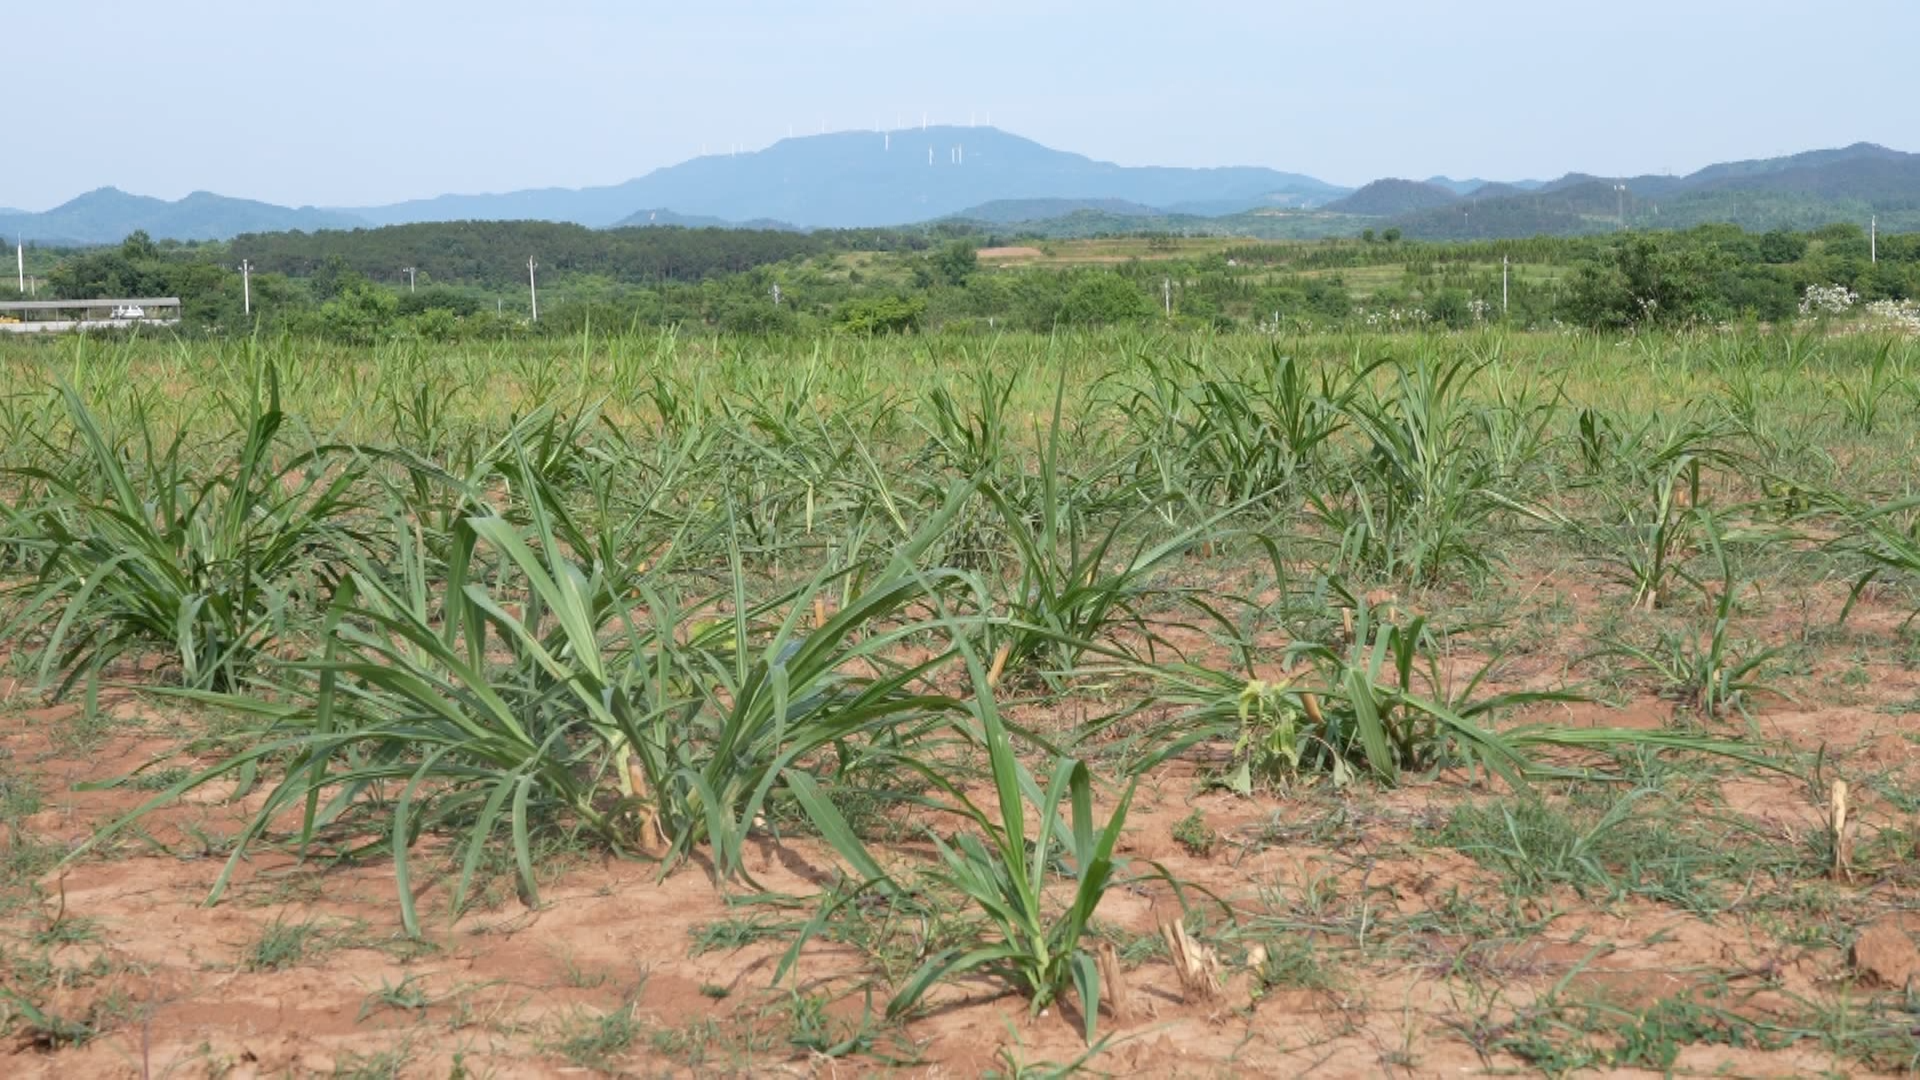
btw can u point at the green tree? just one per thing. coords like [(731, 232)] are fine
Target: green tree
[(1103, 299), (139, 247), (1451, 308), (360, 315), (881, 315), (956, 262), (1642, 282), (1780, 246)]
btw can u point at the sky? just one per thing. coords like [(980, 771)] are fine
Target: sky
[(362, 102)]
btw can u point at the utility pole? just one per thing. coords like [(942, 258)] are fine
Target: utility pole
[(1503, 286), (20, 258), (246, 286), (409, 272), (1873, 239), (776, 294), (1166, 295), (533, 290)]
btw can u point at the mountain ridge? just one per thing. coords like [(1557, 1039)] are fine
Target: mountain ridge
[(107, 215), (865, 179), (991, 177)]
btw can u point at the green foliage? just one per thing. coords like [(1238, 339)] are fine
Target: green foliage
[(956, 261), (1711, 673), (211, 565), (359, 314), (493, 254), (1034, 944), (1195, 835), (1104, 299), (881, 315), (749, 594), (1642, 282), (1778, 246), (1419, 502)]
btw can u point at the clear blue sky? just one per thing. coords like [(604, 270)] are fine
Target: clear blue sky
[(352, 102)]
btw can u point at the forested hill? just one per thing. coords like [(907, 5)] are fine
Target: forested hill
[(1802, 191), (1391, 196), (493, 254)]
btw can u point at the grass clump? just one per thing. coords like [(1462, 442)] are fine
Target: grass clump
[(283, 945), (1637, 844), (1194, 834)]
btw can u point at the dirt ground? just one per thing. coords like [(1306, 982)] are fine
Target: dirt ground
[(1391, 948)]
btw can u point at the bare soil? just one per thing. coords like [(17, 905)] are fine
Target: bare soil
[(1404, 955)]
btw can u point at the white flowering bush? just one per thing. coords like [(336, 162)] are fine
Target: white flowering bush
[(1902, 315), (1828, 300), (1395, 318)]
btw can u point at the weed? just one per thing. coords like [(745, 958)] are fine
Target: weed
[(597, 1040), (406, 996), (730, 934), (283, 945), (1290, 963), (1195, 835)]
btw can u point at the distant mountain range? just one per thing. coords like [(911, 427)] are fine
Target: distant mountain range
[(1797, 192), (106, 216), (870, 179), (1007, 183)]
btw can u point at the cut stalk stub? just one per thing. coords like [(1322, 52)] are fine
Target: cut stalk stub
[(1837, 813)]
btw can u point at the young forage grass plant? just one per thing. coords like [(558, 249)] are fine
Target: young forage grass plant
[(1035, 942), (1379, 708), (207, 564), (1419, 499), (1653, 527), (603, 705), (1709, 672), (1885, 536)]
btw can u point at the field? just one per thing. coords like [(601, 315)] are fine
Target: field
[(1142, 704)]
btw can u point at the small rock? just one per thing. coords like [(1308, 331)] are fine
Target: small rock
[(1884, 954)]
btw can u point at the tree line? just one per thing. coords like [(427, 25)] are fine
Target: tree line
[(470, 281)]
